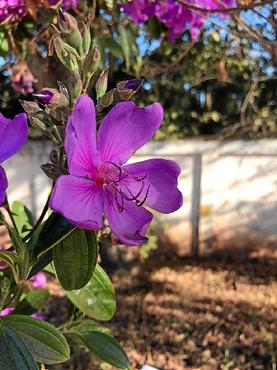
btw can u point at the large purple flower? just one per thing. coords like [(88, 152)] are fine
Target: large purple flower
[(99, 180), (13, 134)]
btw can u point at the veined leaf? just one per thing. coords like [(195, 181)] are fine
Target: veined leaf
[(46, 343), (14, 354), (97, 298), (75, 259)]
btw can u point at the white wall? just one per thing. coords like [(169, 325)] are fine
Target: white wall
[(238, 205)]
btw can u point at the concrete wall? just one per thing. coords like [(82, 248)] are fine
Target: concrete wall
[(230, 186)]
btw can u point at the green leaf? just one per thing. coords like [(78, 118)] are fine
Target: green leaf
[(75, 259), (22, 252), (126, 44), (114, 48), (87, 325), (107, 349), (9, 257), (45, 342), (41, 263), (23, 218), (13, 353), (74, 335), (54, 230), (97, 298), (33, 302)]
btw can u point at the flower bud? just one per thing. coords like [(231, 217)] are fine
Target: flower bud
[(69, 28), (53, 171), (126, 89), (52, 98), (30, 107), (86, 39), (102, 84), (75, 88), (106, 100), (92, 62), (66, 54)]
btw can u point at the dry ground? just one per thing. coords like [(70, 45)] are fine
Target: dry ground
[(183, 314)]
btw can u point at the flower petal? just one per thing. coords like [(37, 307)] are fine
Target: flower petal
[(129, 224), (125, 129), (13, 134), (78, 200), (80, 139), (159, 180), (3, 185)]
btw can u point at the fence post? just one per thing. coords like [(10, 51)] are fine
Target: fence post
[(195, 203)]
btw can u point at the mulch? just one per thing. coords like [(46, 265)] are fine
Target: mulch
[(183, 314)]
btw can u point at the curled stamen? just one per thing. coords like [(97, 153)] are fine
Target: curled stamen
[(117, 180), (133, 197), (145, 197)]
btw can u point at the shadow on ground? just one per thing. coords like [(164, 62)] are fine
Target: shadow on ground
[(182, 314)]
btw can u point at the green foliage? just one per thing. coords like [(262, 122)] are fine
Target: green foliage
[(45, 342), (32, 302), (14, 354), (97, 298), (106, 348), (75, 259), (23, 218)]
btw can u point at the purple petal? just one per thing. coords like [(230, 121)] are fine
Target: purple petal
[(78, 200), (3, 185), (125, 129), (13, 134), (39, 280), (7, 311), (160, 190), (38, 316), (129, 224), (80, 140)]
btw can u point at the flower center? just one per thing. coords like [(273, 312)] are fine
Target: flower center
[(121, 185)]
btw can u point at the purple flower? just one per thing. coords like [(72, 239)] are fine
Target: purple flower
[(10, 10), (38, 316), (22, 78), (9, 310), (70, 4), (39, 280), (6, 311), (99, 180), (66, 4), (13, 134), (174, 15)]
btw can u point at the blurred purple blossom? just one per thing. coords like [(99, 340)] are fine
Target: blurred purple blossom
[(99, 179), (11, 10), (6, 311), (22, 78), (70, 4), (9, 310), (38, 316), (39, 280), (174, 15)]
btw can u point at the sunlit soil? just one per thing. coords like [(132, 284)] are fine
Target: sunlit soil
[(186, 314)]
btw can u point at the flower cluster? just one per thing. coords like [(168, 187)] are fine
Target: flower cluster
[(12, 10), (175, 16)]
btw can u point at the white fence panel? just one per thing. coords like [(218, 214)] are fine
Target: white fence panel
[(229, 187)]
